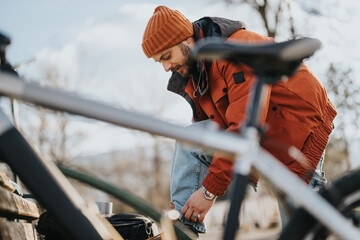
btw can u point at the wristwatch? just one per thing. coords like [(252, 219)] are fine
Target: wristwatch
[(208, 195)]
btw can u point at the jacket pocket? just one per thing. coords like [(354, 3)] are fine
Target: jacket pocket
[(284, 131), (218, 89)]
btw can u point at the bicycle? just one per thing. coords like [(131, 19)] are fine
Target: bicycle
[(214, 139), (271, 63)]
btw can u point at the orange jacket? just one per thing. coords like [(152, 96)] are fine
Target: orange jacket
[(297, 113)]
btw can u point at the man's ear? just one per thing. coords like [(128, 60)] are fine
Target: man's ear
[(190, 42)]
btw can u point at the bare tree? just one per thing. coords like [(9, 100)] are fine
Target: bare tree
[(160, 171), (263, 8), (47, 130), (344, 93)]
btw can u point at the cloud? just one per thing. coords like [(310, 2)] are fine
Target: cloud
[(105, 62)]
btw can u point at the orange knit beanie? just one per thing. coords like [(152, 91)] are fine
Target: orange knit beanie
[(166, 28)]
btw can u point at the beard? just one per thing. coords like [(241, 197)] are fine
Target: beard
[(189, 63)]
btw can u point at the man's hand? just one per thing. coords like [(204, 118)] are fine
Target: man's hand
[(197, 207)]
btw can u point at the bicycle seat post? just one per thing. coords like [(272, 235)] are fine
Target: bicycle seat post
[(256, 105), (251, 131)]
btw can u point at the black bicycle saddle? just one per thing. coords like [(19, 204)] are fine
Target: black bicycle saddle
[(269, 59)]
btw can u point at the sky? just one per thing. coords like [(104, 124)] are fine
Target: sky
[(96, 47)]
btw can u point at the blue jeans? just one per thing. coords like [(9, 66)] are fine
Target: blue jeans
[(189, 168), (319, 180)]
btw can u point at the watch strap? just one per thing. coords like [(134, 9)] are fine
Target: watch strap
[(208, 195)]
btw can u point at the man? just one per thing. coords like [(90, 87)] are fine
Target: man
[(298, 112)]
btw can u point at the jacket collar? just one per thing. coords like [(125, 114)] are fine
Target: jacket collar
[(203, 28)]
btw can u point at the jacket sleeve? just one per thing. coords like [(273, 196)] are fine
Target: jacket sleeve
[(240, 82)]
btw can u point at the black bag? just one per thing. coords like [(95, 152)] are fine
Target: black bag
[(132, 226), (48, 228)]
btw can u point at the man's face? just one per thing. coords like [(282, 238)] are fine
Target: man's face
[(177, 59)]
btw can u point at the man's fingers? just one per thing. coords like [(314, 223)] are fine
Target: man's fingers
[(196, 204), (188, 214), (201, 217), (194, 216), (184, 209)]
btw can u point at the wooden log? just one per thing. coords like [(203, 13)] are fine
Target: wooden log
[(17, 230), (14, 206), (5, 182)]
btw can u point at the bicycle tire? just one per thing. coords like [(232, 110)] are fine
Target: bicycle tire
[(344, 193)]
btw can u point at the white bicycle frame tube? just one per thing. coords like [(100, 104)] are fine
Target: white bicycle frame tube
[(227, 143), (298, 191), (11, 86)]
